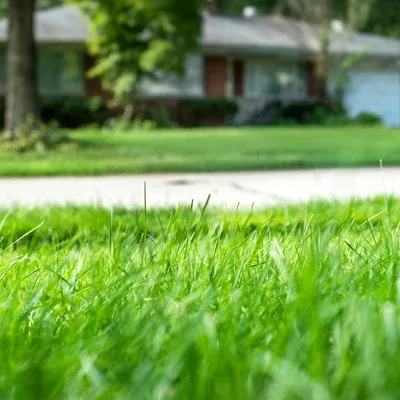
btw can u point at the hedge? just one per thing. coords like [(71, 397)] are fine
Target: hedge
[(68, 112), (74, 112)]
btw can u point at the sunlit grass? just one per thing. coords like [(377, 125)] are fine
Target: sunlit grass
[(210, 149), (290, 303)]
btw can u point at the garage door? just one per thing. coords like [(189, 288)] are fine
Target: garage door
[(377, 92)]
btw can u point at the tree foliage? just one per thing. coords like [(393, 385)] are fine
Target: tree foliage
[(134, 39), (237, 6), (384, 18)]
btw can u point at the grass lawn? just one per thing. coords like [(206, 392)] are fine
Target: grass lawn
[(292, 303), (213, 149)]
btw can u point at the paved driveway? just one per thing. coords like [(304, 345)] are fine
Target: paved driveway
[(226, 189)]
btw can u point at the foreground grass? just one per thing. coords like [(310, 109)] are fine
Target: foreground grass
[(213, 149), (293, 303)]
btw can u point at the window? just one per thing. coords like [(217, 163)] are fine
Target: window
[(265, 79), (291, 81), (163, 85), (190, 84), (193, 81), (60, 72), (258, 80)]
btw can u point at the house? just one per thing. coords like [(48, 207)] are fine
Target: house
[(254, 60)]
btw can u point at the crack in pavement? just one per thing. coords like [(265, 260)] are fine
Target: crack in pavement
[(180, 182), (244, 189)]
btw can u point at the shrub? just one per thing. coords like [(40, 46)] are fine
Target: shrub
[(187, 112), (34, 136), (312, 112), (162, 117), (68, 111), (199, 112), (367, 118), (120, 124), (73, 112), (302, 112)]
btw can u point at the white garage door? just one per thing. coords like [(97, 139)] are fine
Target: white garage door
[(377, 92)]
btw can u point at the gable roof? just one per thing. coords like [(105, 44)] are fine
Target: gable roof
[(271, 34), (65, 24), (258, 35)]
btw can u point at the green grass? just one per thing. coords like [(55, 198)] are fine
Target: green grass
[(212, 149), (290, 303)]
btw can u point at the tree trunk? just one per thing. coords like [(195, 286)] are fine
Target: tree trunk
[(128, 111), (322, 67), (21, 86)]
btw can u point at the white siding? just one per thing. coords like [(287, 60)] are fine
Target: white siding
[(376, 91)]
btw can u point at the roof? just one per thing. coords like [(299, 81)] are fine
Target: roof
[(258, 35), (65, 24), (271, 34)]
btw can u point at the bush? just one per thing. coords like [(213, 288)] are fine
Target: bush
[(187, 112), (367, 118), (34, 136), (120, 124), (200, 112), (73, 112), (162, 117), (301, 112), (312, 112), (68, 111)]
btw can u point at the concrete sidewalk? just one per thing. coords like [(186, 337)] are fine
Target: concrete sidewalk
[(226, 189)]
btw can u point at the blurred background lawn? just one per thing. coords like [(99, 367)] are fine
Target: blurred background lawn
[(91, 152)]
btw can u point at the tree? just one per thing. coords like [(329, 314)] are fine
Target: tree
[(236, 7), (321, 13), (384, 16), (135, 39), (383, 19), (22, 96)]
